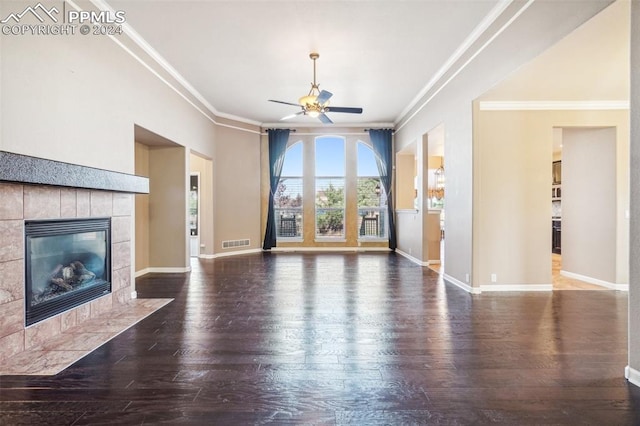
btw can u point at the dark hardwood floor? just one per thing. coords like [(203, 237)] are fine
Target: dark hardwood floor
[(363, 339)]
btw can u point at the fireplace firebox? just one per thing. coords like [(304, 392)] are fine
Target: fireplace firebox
[(68, 263)]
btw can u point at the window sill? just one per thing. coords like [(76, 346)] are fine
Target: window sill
[(330, 240), (407, 211), (372, 240), (290, 239)]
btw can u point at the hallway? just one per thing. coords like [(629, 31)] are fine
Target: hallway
[(332, 338)]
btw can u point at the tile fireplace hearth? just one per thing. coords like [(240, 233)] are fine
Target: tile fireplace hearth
[(37, 191)]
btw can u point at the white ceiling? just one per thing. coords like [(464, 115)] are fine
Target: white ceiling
[(380, 55), (377, 55), (589, 64)]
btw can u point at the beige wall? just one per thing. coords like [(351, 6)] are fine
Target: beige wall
[(405, 173), (204, 167), (512, 177), (634, 278), (78, 100), (141, 211), (589, 203), (236, 171), (450, 102), (168, 185)]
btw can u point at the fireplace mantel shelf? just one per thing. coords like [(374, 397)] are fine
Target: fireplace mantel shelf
[(19, 168)]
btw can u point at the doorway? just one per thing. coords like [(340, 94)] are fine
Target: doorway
[(194, 215), (435, 192)]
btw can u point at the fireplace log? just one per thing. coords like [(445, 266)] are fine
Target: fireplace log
[(61, 283), (82, 274), (67, 273)]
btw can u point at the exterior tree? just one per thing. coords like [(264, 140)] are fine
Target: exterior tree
[(283, 198), (367, 196), (331, 221)]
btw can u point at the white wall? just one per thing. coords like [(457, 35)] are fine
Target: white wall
[(634, 274)]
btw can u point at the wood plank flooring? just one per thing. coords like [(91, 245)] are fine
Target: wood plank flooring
[(337, 339)]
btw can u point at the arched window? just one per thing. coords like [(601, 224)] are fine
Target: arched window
[(287, 201), (330, 186), (372, 199)]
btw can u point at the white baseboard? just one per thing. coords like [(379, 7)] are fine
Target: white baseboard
[(170, 270), (328, 249), (295, 249), (632, 375), (141, 272), (466, 287), (516, 287), (411, 258), (235, 253), (590, 280)]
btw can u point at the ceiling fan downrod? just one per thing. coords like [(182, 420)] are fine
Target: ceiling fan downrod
[(314, 85)]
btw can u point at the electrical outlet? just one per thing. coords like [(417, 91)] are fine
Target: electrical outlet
[(494, 278)]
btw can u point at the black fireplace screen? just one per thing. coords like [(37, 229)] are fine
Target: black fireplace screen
[(67, 264)]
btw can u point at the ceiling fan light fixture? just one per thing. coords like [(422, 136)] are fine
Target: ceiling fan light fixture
[(308, 100), (316, 102)]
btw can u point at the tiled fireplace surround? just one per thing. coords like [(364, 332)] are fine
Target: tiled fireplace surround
[(20, 202)]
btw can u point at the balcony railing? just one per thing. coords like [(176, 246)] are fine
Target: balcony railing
[(288, 222), (372, 222)]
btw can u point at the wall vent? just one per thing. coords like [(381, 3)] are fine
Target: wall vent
[(235, 243)]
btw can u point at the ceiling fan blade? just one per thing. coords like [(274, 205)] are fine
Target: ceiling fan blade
[(292, 115), (283, 102), (326, 120), (323, 97), (349, 110)]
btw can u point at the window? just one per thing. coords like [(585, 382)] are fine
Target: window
[(287, 201), (330, 186), (372, 199)]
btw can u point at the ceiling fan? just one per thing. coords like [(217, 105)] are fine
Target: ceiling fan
[(316, 102)]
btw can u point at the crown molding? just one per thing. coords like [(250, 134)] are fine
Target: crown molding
[(464, 47), (552, 105), (281, 125), (411, 113), (136, 38)]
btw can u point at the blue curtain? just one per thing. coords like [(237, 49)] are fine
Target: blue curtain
[(278, 139), (381, 139)]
